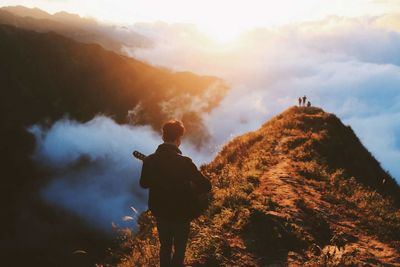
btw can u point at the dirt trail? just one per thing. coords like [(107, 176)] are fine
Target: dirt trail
[(276, 184), (284, 186)]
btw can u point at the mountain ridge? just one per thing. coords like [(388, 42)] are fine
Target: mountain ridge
[(281, 195), (85, 30), (44, 61)]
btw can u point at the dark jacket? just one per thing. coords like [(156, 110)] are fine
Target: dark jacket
[(173, 181)]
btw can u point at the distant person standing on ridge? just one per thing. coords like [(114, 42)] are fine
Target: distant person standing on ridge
[(308, 104), (299, 101), (173, 181), (304, 100)]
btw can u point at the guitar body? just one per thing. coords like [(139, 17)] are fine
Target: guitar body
[(202, 203)]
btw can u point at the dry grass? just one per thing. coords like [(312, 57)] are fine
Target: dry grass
[(288, 194)]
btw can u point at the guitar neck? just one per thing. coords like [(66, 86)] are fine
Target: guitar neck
[(138, 155)]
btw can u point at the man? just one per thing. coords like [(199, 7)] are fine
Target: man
[(173, 181), (304, 101)]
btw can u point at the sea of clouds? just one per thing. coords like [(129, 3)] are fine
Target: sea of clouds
[(95, 175), (350, 67)]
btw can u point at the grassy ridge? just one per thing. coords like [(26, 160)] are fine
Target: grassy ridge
[(301, 190)]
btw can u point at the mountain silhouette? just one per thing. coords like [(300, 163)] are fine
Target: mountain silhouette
[(48, 75), (45, 77), (300, 191), (80, 29)]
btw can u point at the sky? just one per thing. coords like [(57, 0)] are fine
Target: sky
[(221, 19), (344, 55), (347, 66)]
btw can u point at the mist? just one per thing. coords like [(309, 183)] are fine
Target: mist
[(349, 67), (94, 174)]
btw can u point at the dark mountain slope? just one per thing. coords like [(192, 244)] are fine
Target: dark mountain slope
[(44, 77), (47, 75), (27, 12), (72, 26), (301, 190)]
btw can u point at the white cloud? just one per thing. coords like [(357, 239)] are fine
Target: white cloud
[(347, 66), (94, 173)]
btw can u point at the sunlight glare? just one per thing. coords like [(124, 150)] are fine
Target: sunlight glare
[(222, 20)]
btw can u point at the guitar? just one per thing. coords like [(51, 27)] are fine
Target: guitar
[(138, 155), (202, 200)]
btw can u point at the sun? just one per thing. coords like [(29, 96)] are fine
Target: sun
[(221, 34)]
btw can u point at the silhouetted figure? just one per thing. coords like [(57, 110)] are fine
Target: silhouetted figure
[(304, 100), (308, 104), (173, 181), (299, 101)]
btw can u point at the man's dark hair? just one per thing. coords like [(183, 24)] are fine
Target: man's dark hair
[(172, 129)]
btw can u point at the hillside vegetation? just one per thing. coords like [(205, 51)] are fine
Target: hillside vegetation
[(302, 190)]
